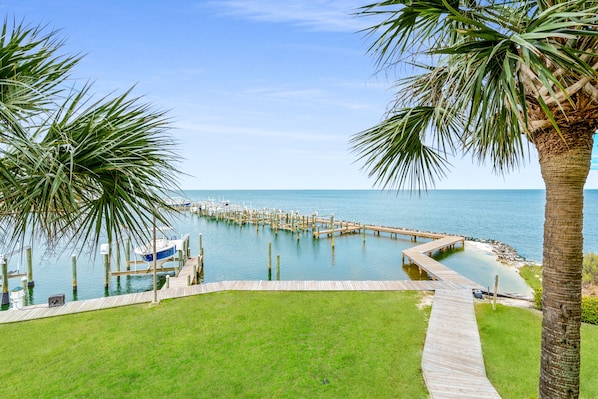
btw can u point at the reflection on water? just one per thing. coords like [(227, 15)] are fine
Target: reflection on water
[(415, 273)]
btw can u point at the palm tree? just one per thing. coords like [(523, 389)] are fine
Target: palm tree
[(72, 166), (496, 79)]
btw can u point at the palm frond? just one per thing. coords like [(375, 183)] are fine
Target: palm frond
[(496, 67), (394, 151)]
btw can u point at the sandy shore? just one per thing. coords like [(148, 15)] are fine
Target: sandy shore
[(508, 258)]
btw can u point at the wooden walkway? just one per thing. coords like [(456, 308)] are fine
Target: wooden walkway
[(452, 361), (187, 274), (403, 232), (421, 256), (42, 311)]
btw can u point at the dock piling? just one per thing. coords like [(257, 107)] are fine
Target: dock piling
[(277, 267), (5, 296), (270, 256), (25, 290), (332, 228), (200, 245), (128, 254), (30, 282), (117, 256), (74, 267), (106, 270), (495, 292)]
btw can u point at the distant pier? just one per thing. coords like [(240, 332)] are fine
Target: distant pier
[(293, 221)]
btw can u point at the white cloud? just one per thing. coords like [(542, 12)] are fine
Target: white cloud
[(223, 129), (319, 15)]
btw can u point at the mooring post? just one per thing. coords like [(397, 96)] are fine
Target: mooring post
[(363, 227), (270, 261), (106, 270), (495, 292), (332, 229), (74, 265), (25, 290), (5, 296), (29, 257), (128, 254), (277, 267), (270, 255), (117, 257), (200, 245)]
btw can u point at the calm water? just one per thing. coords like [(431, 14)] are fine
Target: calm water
[(234, 253)]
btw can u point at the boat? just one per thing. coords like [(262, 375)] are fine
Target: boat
[(178, 202), (165, 250)]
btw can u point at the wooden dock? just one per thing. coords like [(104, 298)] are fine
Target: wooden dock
[(452, 360), (188, 274), (421, 256), (414, 234)]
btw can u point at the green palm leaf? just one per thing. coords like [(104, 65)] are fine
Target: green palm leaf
[(71, 166)]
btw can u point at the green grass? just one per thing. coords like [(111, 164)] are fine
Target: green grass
[(511, 345), (532, 275), (224, 345)]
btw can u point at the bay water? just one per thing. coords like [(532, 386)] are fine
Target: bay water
[(233, 252)]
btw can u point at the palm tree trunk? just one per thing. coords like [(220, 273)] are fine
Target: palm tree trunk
[(565, 165)]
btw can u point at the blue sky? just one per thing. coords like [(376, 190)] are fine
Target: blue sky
[(264, 94)]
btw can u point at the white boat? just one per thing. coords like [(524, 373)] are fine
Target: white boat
[(165, 250), (178, 202)]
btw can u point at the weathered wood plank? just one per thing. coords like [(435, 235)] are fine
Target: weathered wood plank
[(452, 361)]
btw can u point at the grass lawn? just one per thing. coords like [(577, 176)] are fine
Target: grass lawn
[(224, 345), (511, 345)]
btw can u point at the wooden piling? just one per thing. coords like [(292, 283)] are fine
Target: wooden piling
[(277, 267), (25, 291), (270, 256), (181, 261), (30, 282), (200, 245), (5, 296), (495, 292), (117, 257), (106, 271), (128, 254), (74, 267), (332, 228)]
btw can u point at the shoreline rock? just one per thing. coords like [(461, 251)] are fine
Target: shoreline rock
[(504, 253)]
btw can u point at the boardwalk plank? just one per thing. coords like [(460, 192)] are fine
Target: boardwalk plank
[(452, 361)]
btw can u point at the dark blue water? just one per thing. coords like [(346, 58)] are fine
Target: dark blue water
[(514, 217)]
